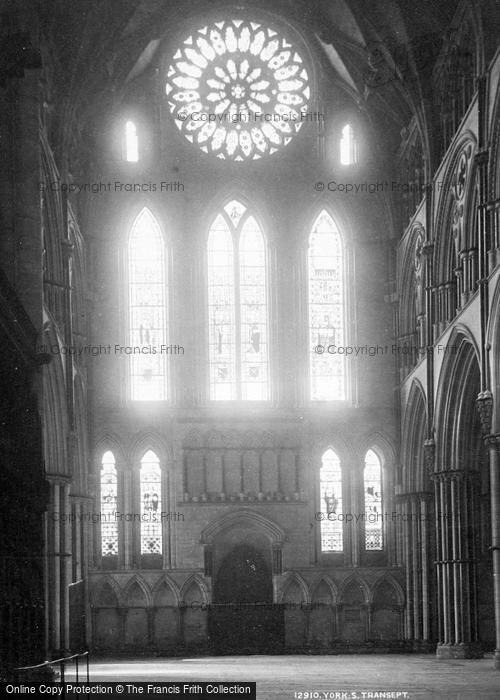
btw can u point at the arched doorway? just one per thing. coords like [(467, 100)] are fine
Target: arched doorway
[(242, 617)]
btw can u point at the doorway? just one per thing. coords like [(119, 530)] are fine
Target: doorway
[(243, 619)]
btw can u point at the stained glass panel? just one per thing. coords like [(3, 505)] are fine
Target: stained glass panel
[(253, 313), (331, 503), (147, 299), (151, 508), (326, 310), (221, 309), (109, 506), (374, 534), (237, 297)]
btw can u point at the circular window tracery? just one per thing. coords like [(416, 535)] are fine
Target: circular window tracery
[(238, 89)]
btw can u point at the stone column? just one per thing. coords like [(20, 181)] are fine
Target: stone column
[(456, 496), (494, 450)]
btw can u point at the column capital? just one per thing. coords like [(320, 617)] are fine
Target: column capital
[(484, 404)]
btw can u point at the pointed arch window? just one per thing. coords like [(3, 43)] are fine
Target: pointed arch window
[(237, 307), (372, 477), (147, 310), (131, 143), (348, 146), (331, 503), (151, 504), (326, 310), (109, 506)]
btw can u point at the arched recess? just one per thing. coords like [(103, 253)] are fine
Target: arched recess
[(387, 603), (322, 618), (294, 598), (106, 599), (137, 599), (353, 599), (54, 413), (194, 596), (493, 341), (413, 475), (463, 503), (411, 303), (146, 441), (166, 620)]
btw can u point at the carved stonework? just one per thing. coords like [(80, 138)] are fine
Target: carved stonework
[(484, 403)]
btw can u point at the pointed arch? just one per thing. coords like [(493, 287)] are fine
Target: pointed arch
[(326, 301), (194, 590), (237, 305), (294, 581), (165, 584), (391, 584), (136, 593), (147, 300), (413, 477), (243, 517), (324, 580), (355, 585), (106, 593)]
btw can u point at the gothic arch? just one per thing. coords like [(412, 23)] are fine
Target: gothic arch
[(165, 583), (106, 593), (149, 441), (389, 580), (454, 402), (139, 584), (413, 477), (191, 584), (327, 581), (107, 442), (55, 423), (243, 517), (353, 581), (293, 578), (493, 341)]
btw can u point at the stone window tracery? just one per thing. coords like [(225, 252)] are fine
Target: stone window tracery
[(238, 90)]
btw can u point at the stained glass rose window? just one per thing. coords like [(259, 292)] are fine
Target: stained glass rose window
[(238, 89)]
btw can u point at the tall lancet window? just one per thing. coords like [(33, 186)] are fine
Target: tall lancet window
[(151, 509), (348, 146), (131, 143), (109, 506), (326, 311), (237, 307), (374, 535), (331, 503), (147, 310)]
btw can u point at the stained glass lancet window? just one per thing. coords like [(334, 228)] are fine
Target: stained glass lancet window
[(331, 502), (326, 310), (131, 143), (348, 146), (151, 508), (238, 89), (147, 312), (374, 537), (109, 505), (237, 307)]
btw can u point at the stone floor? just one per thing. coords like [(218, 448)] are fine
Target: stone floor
[(284, 677)]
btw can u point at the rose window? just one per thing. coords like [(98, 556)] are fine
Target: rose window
[(238, 90)]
